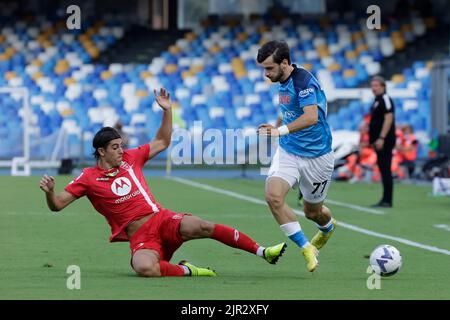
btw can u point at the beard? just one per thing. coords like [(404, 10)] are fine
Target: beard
[(277, 77)]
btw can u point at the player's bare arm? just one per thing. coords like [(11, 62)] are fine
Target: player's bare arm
[(55, 202), (164, 134), (279, 121), (307, 119)]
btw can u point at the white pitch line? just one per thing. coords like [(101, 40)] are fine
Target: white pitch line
[(354, 207), (442, 227), (300, 213)]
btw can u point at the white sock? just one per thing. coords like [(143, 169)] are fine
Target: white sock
[(187, 272), (290, 228), (327, 225), (260, 252), (294, 232)]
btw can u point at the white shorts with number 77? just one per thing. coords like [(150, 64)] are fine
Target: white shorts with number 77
[(312, 174)]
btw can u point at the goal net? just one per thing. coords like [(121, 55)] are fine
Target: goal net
[(27, 140)]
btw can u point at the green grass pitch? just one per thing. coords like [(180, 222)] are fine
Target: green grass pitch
[(37, 246)]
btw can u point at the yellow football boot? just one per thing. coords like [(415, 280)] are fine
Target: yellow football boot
[(320, 239)]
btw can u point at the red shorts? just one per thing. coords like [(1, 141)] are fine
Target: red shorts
[(160, 233)]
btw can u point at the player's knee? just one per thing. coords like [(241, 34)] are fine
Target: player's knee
[(274, 199), (196, 228), (205, 228), (147, 269)]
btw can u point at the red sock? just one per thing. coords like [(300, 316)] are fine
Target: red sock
[(170, 270), (234, 238)]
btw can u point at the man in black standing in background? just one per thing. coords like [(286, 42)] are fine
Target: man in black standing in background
[(382, 136)]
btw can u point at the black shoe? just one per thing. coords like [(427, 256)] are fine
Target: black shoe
[(382, 204)]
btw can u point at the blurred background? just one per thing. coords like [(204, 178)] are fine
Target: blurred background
[(59, 86)]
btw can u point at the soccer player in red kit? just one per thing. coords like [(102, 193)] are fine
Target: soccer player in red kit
[(117, 189)]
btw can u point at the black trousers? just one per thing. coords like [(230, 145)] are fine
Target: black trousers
[(384, 160)]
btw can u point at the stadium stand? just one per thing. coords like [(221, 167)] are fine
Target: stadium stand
[(211, 71)]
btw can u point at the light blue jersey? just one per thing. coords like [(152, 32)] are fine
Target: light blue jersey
[(299, 90)]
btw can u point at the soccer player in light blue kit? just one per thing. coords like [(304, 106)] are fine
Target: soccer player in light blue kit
[(304, 155)]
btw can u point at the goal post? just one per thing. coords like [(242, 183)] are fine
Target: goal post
[(22, 164)]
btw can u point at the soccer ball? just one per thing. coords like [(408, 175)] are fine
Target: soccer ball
[(385, 260)]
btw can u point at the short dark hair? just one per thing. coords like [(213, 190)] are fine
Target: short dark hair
[(380, 79), (279, 50), (102, 138)]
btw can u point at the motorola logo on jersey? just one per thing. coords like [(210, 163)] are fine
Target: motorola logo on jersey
[(121, 186)]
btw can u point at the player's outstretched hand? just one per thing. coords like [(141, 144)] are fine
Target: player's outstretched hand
[(163, 98), (268, 130), (47, 184)]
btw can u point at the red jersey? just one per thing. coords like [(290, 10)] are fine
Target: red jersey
[(121, 194), (409, 140)]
